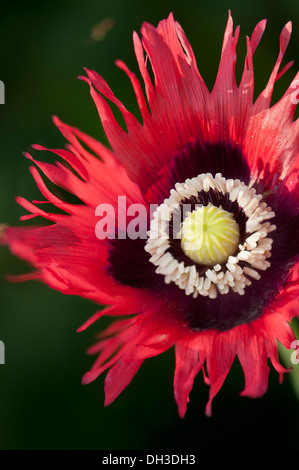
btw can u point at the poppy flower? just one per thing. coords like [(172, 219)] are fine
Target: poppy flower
[(216, 281)]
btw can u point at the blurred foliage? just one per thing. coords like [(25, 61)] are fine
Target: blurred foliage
[(43, 48), (287, 355)]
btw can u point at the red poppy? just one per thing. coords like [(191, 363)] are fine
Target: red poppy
[(228, 290)]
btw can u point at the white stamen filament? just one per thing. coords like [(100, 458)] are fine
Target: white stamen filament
[(255, 250)]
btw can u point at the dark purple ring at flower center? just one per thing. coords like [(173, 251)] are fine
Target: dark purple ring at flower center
[(129, 262)]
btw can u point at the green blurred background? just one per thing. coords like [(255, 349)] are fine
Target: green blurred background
[(43, 48)]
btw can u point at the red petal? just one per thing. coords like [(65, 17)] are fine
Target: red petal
[(253, 358), (219, 363), (187, 367), (118, 378)]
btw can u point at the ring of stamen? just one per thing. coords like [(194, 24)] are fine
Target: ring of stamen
[(235, 272)]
